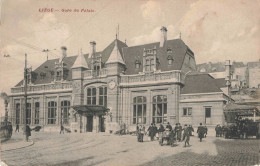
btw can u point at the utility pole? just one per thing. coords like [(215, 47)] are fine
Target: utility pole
[(46, 51), (25, 94)]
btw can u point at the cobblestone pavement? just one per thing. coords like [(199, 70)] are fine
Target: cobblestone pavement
[(230, 152), (105, 149)]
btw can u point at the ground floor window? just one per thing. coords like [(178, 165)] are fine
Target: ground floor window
[(65, 106), (139, 110), (52, 107), (17, 110), (208, 112), (28, 113), (187, 111), (160, 109), (37, 113)]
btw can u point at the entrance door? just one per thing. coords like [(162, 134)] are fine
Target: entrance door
[(208, 115), (89, 123), (101, 124)]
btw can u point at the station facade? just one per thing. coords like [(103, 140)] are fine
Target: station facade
[(130, 85)]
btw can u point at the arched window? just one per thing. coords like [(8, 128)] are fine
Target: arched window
[(52, 107), (65, 106), (103, 96), (36, 113), (139, 110), (160, 109), (91, 96), (17, 109), (28, 113)]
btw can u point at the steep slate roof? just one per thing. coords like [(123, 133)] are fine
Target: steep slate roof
[(220, 82), (80, 61), (49, 65), (200, 83), (135, 53), (115, 56)]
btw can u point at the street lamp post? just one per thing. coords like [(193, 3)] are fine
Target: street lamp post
[(25, 94)]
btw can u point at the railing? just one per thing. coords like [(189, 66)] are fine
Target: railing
[(45, 87), (156, 76), (98, 73)]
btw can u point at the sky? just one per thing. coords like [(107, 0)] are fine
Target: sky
[(215, 31)]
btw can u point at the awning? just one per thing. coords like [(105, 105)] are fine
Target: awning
[(90, 109), (232, 111)]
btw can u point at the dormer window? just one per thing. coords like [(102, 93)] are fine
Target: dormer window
[(137, 64), (58, 76), (169, 51), (170, 60), (149, 63), (42, 75)]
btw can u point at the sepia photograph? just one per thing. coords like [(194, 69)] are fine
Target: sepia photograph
[(129, 82)]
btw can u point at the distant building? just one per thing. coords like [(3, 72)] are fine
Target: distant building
[(99, 91)]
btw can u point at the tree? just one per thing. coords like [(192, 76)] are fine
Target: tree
[(6, 99)]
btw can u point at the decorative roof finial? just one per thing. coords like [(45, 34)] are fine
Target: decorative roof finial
[(125, 41), (180, 35)]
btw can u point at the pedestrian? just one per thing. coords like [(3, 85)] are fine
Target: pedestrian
[(154, 130), (61, 129), (17, 128), (179, 132), (27, 132), (186, 135), (206, 131), (191, 130), (142, 132), (151, 131), (218, 130), (168, 126), (137, 128), (200, 131)]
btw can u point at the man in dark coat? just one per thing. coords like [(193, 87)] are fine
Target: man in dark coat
[(168, 126), (161, 129), (179, 132), (218, 129), (201, 131), (191, 130), (186, 135), (151, 131), (27, 132)]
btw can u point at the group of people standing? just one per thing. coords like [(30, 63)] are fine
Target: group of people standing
[(179, 133)]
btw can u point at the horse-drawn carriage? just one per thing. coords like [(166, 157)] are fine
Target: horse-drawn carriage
[(168, 136)]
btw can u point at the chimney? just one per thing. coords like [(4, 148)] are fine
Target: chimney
[(93, 48), (64, 53), (163, 36)]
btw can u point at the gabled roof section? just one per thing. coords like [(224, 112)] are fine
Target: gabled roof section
[(115, 56), (48, 67), (80, 61), (178, 47), (200, 83)]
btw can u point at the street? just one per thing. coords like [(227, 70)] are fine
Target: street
[(108, 149)]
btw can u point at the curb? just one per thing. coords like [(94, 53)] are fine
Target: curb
[(18, 147)]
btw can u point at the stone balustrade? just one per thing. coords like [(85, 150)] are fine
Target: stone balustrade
[(91, 73), (43, 87), (156, 76)]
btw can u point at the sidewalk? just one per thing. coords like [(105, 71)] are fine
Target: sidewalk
[(16, 145)]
